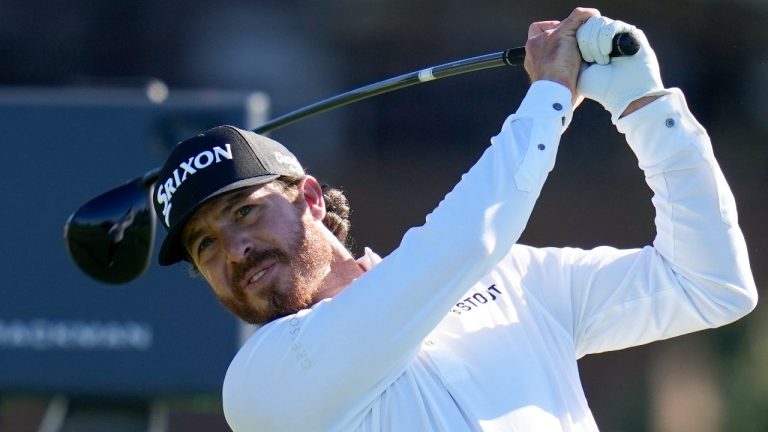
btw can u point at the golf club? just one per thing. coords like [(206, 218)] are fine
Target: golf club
[(110, 237)]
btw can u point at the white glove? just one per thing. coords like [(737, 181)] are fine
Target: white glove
[(618, 81)]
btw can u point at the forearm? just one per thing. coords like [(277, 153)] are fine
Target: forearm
[(697, 226), (697, 273)]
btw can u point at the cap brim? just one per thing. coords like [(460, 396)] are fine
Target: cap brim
[(172, 251)]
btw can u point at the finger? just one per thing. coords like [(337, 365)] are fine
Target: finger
[(585, 40), (604, 40), (578, 17), (595, 38), (540, 27), (600, 38)]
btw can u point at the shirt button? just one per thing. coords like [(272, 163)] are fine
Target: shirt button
[(428, 343), (557, 106), (541, 146), (670, 122)]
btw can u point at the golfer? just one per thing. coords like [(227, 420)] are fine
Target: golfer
[(460, 328)]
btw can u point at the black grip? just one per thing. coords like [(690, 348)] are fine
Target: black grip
[(624, 44)]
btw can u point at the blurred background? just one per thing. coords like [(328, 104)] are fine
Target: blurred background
[(95, 93)]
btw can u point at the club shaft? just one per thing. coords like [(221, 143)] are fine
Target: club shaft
[(509, 57)]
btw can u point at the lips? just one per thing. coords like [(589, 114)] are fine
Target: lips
[(256, 270), (258, 276)]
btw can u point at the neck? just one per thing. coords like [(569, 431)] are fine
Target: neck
[(342, 271)]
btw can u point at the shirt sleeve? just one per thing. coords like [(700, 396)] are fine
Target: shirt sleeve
[(333, 359), (696, 275)]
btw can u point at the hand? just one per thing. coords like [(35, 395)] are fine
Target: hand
[(551, 52), (616, 82)]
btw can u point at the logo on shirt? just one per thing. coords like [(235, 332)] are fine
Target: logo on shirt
[(477, 299)]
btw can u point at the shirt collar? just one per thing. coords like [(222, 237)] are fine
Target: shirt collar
[(369, 259)]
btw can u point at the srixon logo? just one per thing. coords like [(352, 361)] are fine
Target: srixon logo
[(193, 165)]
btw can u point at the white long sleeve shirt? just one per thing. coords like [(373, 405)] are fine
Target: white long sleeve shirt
[(462, 329)]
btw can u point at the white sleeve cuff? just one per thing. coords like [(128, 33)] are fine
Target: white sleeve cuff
[(548, 98), (658, 130), (533, 133)]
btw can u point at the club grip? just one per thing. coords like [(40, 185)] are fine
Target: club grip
[(624, 44)]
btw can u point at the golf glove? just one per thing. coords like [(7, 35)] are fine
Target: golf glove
[(618, 81)]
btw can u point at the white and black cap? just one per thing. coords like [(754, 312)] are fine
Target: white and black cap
[(204, 167)]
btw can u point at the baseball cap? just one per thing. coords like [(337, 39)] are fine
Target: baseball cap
[(206, 166)]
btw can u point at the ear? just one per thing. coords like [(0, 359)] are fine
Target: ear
[(312, 193)]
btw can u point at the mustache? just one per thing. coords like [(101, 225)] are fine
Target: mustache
[(254, 259)]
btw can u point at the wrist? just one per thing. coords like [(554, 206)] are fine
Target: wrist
[(637, 104), (567, 83)]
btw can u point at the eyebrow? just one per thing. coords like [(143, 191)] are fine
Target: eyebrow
[(231, 200)]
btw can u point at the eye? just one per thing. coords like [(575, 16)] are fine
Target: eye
[(203, 244), (243, 211)]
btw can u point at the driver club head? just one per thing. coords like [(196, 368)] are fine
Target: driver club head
[(110, 237)]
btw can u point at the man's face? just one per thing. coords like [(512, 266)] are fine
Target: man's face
[(261, 251)]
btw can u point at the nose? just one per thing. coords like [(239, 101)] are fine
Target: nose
[(237, 244)]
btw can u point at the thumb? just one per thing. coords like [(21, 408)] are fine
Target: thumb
[(594, 82)]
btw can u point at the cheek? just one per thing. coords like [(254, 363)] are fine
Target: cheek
[(217, 281), (284, 228)]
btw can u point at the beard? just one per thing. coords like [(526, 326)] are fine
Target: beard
[(308, 256)]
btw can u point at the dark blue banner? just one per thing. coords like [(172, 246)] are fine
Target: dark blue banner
[(60, 331)]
